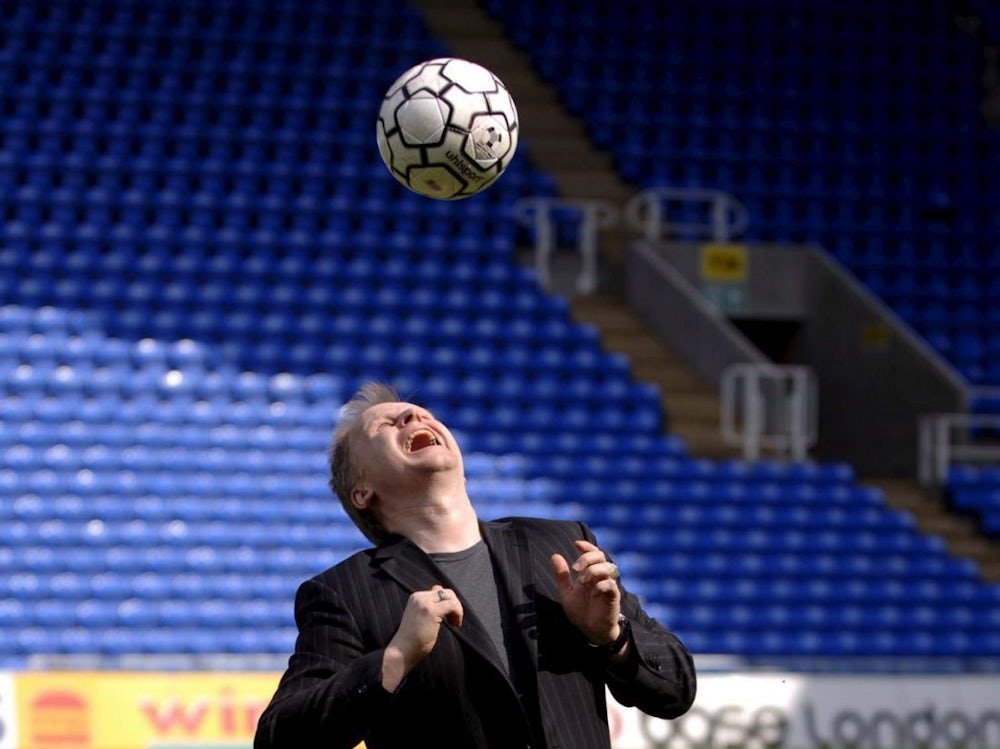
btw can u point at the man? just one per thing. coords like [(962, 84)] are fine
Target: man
[(452, 632)]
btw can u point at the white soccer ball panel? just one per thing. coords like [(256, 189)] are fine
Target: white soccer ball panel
[(469, 76), (422, 119), (426, 77)]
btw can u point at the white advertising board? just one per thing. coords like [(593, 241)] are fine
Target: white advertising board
[(794, 711)]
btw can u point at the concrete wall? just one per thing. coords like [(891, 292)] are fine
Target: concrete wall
[(876, 377), (690, 324)]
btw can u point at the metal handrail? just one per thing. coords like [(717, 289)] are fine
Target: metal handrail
[(769, 407), (593, 214), (647, 213), (946, 439)]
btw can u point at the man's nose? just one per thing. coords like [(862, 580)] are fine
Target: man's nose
[(413, 414)]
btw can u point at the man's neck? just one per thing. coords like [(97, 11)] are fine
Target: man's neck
[(439, 529)]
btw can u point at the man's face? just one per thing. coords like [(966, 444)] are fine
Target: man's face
[(395, 445)]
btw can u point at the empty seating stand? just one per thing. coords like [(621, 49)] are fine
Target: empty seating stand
[(854, 125), (201, 256)]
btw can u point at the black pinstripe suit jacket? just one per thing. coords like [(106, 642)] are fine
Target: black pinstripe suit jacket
[(459, 696)]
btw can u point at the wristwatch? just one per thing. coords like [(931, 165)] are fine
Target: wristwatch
[(615, 646)]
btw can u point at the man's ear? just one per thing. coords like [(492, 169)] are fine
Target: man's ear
[(361, 496)]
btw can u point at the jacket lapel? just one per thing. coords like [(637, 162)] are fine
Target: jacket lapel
[(404, 562), (408, 565)]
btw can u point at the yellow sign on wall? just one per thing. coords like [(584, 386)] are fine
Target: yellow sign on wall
[(875, 335), (724, 263), (111, 710)]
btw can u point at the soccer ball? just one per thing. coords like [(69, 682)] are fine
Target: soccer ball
[(447, 128)]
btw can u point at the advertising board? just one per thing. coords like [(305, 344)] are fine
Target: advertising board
[(127, 710), (794, 711), (119, 710)]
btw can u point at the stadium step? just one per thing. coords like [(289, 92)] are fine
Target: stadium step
[(961, 535)]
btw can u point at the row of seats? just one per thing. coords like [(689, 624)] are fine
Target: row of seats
[(226, 612), (858, 614), (813, 644), (667, 477), (182, 36), (51, 378), (876, 564), (22, 425), (270, 200), (146, 613), (460, 319), (165, 570), (266, 201), (650, 539), (94, 516), (825, 528), (504, 421), (91, 583), (96, 474), (832, 651), (130, 640)]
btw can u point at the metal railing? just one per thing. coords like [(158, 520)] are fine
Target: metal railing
[(769, 407), (592, 215), (947, 439), (651, 213)]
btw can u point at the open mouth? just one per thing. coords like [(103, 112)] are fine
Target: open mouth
[(419, 440)]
